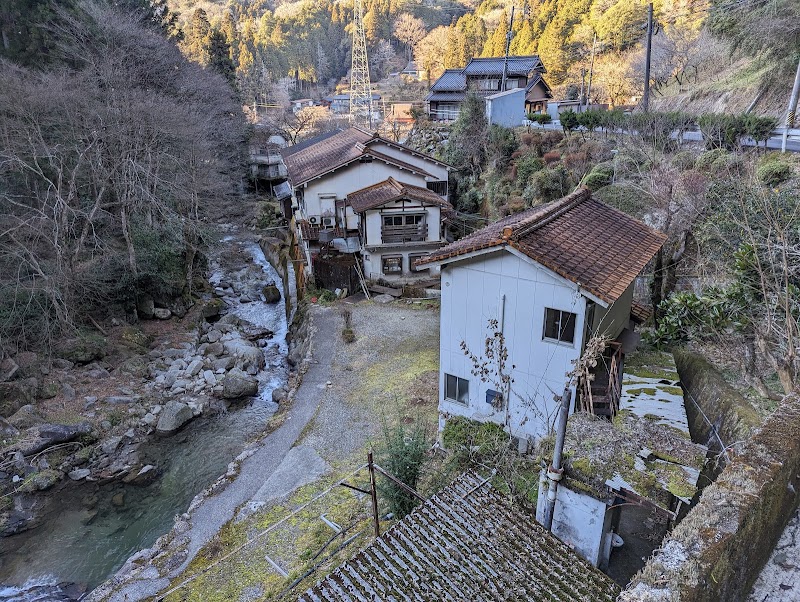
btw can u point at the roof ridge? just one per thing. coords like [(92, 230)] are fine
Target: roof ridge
[(536, 221)]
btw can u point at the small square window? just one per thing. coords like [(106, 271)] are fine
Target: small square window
[(392, 264), (559, 325), (412, 258), (456, 389)]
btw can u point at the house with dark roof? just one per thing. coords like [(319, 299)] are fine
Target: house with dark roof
[(465, 543), (356, 191), (547, 280), (484, 76)]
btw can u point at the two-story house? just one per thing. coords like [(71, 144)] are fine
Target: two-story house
[(345, 179), (484, 76), (547, 280)]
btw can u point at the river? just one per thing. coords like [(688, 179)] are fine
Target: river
[(65, 549)]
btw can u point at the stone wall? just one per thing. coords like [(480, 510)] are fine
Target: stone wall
[(733, 416), (716, 553)]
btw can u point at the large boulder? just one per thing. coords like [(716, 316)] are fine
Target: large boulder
[(272, 294), (135, 337), (29, 365), (14, 395), (26, 417), (211, 309), (237, 384), (248, 357), (162, 313), (174, 415), (82, 350), (52, 434), (7, 429)]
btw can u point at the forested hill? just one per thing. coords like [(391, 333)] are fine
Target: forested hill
[(113, 146)]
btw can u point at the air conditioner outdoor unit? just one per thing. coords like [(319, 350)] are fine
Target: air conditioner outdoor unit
[(312, 220), (327, 221)]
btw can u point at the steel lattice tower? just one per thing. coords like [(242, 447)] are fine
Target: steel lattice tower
[(360, 92)]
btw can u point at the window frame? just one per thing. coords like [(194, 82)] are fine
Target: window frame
[(559, 326), (391, 257), (458, 383)]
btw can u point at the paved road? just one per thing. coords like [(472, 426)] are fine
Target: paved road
[(216, 510), (792, 144)]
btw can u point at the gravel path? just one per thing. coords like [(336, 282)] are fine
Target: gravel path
[(215, 511)]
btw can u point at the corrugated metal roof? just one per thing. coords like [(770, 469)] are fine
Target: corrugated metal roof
[(517, 65), (465, 544), (452, 80)]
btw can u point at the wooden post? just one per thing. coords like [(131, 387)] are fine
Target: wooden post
[(374, 494)]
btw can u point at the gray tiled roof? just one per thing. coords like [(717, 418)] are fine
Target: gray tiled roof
[(452, 80), (465, 543), (446, 96), (517, 65)]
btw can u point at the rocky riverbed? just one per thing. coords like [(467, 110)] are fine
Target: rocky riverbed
[(100, 444)]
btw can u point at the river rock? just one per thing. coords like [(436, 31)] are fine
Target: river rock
[(194, 367), (208, 376), (215, 349), (14, 395), (144, 476), (26, 417), (7, 429), (279, 395), (212, 309), (67, 392), (119, 399), (149, 419), (237, 384), (223, 364), (145, 306), (48, 389), (162, 313), (8, 369), (43, 480), (81, 350), (248, 357), (272, 294), (29, 364), (118, 499), (62, 433), (79, 474), (213, 336), (135, 366), (110, 445), (62, 364), (174, 415)]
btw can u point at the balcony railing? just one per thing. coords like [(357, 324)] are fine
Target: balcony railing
[(407, 233)]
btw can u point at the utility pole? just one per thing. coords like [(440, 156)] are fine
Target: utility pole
[(555, 472), (591, 72), (508, 46), (792, 110), (360, 92), (646, 97)]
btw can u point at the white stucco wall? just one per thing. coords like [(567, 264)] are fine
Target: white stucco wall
[(437, 171), (580, 521), (471, 295), (349, 179), (374, 219)]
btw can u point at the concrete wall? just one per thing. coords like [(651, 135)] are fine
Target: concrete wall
[(580, 521), (472, 292), (717, 551), (733, 416)]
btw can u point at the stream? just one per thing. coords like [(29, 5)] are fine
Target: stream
[(64, 549)]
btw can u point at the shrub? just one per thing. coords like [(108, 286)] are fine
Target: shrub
[(707, 159), (722, 131), (403, 454), (540, 118), (625, 198), (773, 169), (569, 120), (552, 157), (684, 160), (527, 166), (548, 185), (759, 128), (348, 336), (600, 176), (590, 119)]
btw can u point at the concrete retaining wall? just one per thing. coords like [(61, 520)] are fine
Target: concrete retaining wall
[(716, 553)]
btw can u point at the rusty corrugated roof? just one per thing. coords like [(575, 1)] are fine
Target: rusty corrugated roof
[(392, 190), (578, 237), (465, 544)]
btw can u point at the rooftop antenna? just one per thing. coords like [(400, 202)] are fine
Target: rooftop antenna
[(360, 92)]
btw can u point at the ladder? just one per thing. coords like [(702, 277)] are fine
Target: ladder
[(361, 279)]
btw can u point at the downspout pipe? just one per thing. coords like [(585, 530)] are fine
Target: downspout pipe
[(555, 472)]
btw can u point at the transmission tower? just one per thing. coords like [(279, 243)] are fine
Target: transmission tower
[(360, 92)]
